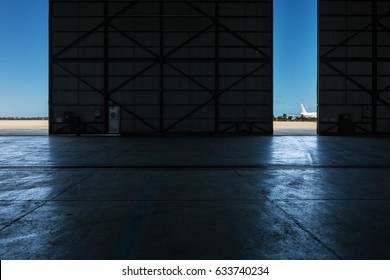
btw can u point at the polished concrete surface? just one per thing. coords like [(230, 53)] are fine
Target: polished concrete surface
[(291, 197)]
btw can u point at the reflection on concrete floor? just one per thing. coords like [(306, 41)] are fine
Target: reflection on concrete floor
[(296, 197)]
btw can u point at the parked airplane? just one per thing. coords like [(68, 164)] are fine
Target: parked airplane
[(307, 114)]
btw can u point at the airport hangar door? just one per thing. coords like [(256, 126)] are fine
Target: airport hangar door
[(354, 67), (164, 66)]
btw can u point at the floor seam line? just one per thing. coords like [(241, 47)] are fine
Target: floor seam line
[(44, 202), (71, 186), (312, 235), (186, 167), (21, 217)]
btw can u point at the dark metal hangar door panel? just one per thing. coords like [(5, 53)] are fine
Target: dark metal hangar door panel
[(354, 67), (170, 66)]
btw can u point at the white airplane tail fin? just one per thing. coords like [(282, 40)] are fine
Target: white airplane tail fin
[(303, 110)]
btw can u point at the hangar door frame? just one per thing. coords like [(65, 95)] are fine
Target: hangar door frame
[(354, 67), (171, 66)]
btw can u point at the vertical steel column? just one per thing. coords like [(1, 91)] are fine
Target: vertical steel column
[(272, 68), (105, 82), (161, 65), (318, 66), (216, 65), (50, 85), (374, 66)]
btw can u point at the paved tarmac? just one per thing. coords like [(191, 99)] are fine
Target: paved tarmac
[(24, 127), (40, 127)]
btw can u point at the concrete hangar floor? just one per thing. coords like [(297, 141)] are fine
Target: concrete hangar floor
[(297, 197)]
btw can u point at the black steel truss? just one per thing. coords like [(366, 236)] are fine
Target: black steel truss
[(375, 28), (155, 56)]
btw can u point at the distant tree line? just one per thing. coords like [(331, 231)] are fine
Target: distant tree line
[(285, 118), (23, 118)]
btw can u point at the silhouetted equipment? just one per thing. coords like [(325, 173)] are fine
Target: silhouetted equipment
[(345, 124), (114, 121), (68, 117), (170, 66), (354, 67)]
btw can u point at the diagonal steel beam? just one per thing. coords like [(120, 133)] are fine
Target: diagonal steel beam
[(226, 28), (354, 35), (362, 128), (134, 115), (346, 40), (109, 19), (196, 35), (229, 127), (190, 78), (383, 90), (158, 57), (243, 78), (189, 114), (79, 78), (329, 128), (132, 78), (213, 98), (355, 82), (110, 99), (172, 51), (259, 128), (347, 77), (133, 40), (384, 27), (189, 40)]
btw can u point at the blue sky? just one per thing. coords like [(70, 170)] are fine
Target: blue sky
[(24, 59), (295, 55)]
